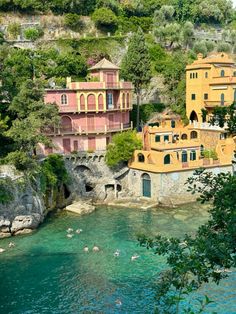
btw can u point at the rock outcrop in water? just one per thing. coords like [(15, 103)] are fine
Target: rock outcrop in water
[(26, 207)]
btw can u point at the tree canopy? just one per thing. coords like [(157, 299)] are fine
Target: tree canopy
[(202, 258), (121, 148)]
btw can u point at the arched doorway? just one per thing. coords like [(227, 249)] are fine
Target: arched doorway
[(66, 124), (146, 185), (193, 116)]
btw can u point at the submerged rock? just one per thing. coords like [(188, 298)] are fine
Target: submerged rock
[(24, 231), (25, 222)]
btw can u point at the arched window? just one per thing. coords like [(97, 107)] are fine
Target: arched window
[(193, 134), (66, 124), (123, 101), (206, 74), (110, 104), (191, 76), (234, 74), (184, 156), (91, 102), (100, 102), (172, 123), (193, 155), (196, 75), (222, 99), (222, 73), (141, 158), (202, 150), (167, 159), (63, 99), (193, 116), (146, 185), (82, 103), (184, 136)]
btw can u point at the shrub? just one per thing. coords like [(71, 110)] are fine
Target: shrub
[(122, 147), (211, 153), (33, 33), (73, 21), (5, 191), (105, 19), (21, 160), (14, 30)]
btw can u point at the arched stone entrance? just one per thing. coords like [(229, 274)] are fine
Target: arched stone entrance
[(193, 116)]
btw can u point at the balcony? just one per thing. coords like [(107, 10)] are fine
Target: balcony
[(215, 103), (206, 126), (80, 130)]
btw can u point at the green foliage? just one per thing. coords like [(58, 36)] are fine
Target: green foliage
[(23, 161), (146, 111), (195, 260), (136, 65), (128, 24), (74, 22), (33, 118), (105, 19), (224, 47), (122, 147), (33, 33), (13, 30), (6, 194), (53, 172), (211, 153)]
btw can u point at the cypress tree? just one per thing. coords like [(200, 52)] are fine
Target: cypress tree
[(136, 66)]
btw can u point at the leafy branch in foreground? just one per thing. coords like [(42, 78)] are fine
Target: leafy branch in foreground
[(206, 257)]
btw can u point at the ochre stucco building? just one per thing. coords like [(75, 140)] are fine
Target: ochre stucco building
[(210, 82), (91, 112), (171, 150)]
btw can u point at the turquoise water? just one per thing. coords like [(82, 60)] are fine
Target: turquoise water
[(47, 272)]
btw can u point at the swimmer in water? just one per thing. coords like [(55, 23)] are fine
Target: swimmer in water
[(69, 230), (69, 235), (118, 302), (96, 248), (134, 257), (11, 244), (78, 231), (86, 249), (2, 250), (117, 253)]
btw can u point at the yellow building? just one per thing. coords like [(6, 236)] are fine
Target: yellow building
[(172, 152), (210, 82)]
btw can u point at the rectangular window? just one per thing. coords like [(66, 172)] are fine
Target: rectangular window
[(191, 75), (196, 75), (205, 96), (110, 101), (157, 138), (193, 96), (166, 138)]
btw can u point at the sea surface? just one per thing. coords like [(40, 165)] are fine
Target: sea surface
[(47, 272)]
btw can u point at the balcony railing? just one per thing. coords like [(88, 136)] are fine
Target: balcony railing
[(89, 129)]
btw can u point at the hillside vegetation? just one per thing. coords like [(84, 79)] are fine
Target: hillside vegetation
[(104, 28)]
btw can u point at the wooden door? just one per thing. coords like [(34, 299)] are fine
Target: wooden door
[(91, 143), (146, 183), (66, 145), (90, 123)]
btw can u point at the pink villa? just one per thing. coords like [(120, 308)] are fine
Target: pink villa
[(91, 112)]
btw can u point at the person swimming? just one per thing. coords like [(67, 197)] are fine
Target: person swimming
[(69, 230), (118, 302), (86, 249), (116, 253), (78, 231), (2, 250), (69, 235), (134, 257), (96, 248), (11, 244)]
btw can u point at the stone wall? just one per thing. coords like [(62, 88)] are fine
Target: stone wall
[(167, 188)]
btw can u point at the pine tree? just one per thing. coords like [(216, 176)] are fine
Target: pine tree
[(136, 66)]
